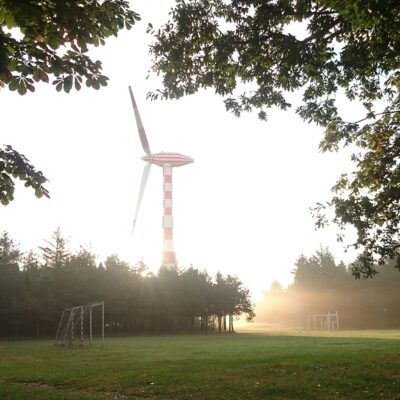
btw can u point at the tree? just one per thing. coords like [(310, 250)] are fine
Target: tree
[(232, 299), (10, 255), (196, 291), (114, 264), (14, 165), (321, 286), (56, 255), (30, 261), (83, 260), (50, 39), (10, 282), (244, 50), (318, 271), (40, 39)]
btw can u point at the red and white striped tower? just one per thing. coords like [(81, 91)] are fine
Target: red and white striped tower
[(167, 161), (168, 257)]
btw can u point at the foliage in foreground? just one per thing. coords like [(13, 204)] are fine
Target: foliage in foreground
[(245, 50), (44, 39), (14, 165), (34, 291), (344, 366)]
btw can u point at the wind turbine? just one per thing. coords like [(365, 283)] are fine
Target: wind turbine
[(167, 161)]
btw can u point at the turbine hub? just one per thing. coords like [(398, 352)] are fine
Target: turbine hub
[(173, 159)]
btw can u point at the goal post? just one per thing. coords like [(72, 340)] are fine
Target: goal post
[(323, 322), (90, 307), (72, 322)]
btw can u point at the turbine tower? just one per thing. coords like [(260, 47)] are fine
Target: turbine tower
[(167, 161)]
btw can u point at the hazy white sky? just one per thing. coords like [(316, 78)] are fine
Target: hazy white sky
[(241, 208)]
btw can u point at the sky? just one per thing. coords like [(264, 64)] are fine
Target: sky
[(241, 208)]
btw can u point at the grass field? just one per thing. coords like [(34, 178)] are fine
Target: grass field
[(275, 365)]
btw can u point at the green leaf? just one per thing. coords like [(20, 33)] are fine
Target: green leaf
[(37, 75), (68, 81), (13, 85), (9, 20), (77, 84), (44, 76), (10, 49), (38, 193), (12, 65), (54, 41), (21, 88)]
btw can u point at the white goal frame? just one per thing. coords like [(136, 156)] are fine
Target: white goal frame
[(72, 318), (325, 322)]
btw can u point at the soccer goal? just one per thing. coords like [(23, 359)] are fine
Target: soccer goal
[(323, 322), (72, 325)]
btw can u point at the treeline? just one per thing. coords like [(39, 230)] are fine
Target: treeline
[(321, 286), (36, 288)]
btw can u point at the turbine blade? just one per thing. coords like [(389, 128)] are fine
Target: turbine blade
[(142, 133), (146, 171)]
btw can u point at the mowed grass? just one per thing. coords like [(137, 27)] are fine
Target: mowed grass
[(277, 365)]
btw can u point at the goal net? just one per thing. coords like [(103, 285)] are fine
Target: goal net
[(76, 321)]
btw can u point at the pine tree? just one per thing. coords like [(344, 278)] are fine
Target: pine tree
[(55, 255), (10, 255)]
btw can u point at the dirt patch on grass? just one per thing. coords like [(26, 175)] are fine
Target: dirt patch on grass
[(29, 384), (391, 357), (42, 385)]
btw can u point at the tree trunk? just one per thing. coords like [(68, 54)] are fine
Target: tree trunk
[(231, 323), (37, 327), (192, 324)]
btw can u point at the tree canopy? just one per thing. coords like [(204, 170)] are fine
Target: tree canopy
[(40, 39), (49, 41), (245, 51)]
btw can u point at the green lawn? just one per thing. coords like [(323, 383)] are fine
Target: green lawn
[(275, 366)]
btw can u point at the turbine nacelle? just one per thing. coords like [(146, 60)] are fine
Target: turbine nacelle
[(172, 159)]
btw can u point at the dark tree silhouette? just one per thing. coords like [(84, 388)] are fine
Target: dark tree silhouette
[(34, 291)]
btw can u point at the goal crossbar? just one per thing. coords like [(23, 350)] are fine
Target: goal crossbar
[(73, 317)]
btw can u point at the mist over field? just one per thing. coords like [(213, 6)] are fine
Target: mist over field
[(321, 287)]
